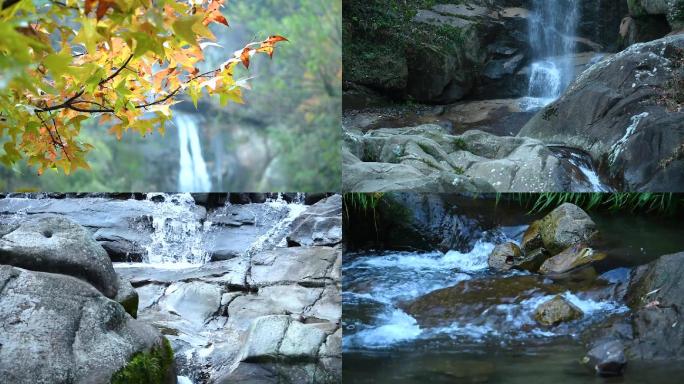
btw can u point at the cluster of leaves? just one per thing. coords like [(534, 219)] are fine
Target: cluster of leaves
[(123, 61)]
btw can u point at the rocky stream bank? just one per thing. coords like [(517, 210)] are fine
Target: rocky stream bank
[(166, 288)]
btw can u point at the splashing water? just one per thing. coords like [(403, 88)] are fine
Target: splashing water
[(178, 234), (193, 175)]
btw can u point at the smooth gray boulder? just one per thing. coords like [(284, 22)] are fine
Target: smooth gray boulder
[(59, 329), (320, 224), (58, 245)]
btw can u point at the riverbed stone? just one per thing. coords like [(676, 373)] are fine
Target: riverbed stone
[(55, 244), (532, 260), (557, 310), (571, 258), (504, 256)]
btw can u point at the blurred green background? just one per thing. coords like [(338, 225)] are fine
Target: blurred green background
[(286, 137)]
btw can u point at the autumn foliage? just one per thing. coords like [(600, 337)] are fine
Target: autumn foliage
[(124, 62)]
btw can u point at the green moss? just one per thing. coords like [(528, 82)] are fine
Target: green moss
[(460, 144), (131, 305), (635, 8), (151, 367)]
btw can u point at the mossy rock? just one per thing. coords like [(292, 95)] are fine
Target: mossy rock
[(149, 367)]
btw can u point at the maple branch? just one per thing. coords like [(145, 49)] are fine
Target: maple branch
[(116, 73)]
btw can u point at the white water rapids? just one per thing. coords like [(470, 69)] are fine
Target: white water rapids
[(375, 285)]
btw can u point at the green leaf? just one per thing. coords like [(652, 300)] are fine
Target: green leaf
[(183, 28)]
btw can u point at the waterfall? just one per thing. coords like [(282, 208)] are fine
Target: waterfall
[(177, 233), (552, 30), (193, 175)]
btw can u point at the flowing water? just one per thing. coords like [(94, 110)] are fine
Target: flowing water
[(552, 28), (193, 175), (490, 336)]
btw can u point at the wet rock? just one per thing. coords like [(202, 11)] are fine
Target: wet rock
[(573, 257), (607, 358), (565, 226), (320, 224), (557, 310), (429, 159), (504, 256), (58, 245), (237, 228), (618, 110), (656, 296), (127, 297), (59, 329), (311, 266), (194, 301), (532, 260), (445, 306), (532, 239)]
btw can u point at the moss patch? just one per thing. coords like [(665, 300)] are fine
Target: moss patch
[(130, 305), (151, 367)]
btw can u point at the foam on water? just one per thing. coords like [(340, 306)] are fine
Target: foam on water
[(178, 233), (395, 326)]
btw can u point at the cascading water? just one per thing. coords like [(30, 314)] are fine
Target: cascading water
[(177, 233), (552, 30), (193, 175)]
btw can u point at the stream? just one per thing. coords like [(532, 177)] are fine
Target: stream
[(490, 335)]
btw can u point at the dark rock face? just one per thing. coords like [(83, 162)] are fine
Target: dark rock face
[(58, 329), (626, 111), (607, 358), (656, 296), (58, 245), (320, 224)]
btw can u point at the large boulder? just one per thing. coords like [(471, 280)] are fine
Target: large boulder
[(562, 228), (320, 224), (557, 310), (656, 296), (626, 112), (58, 245), (59, 329)]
